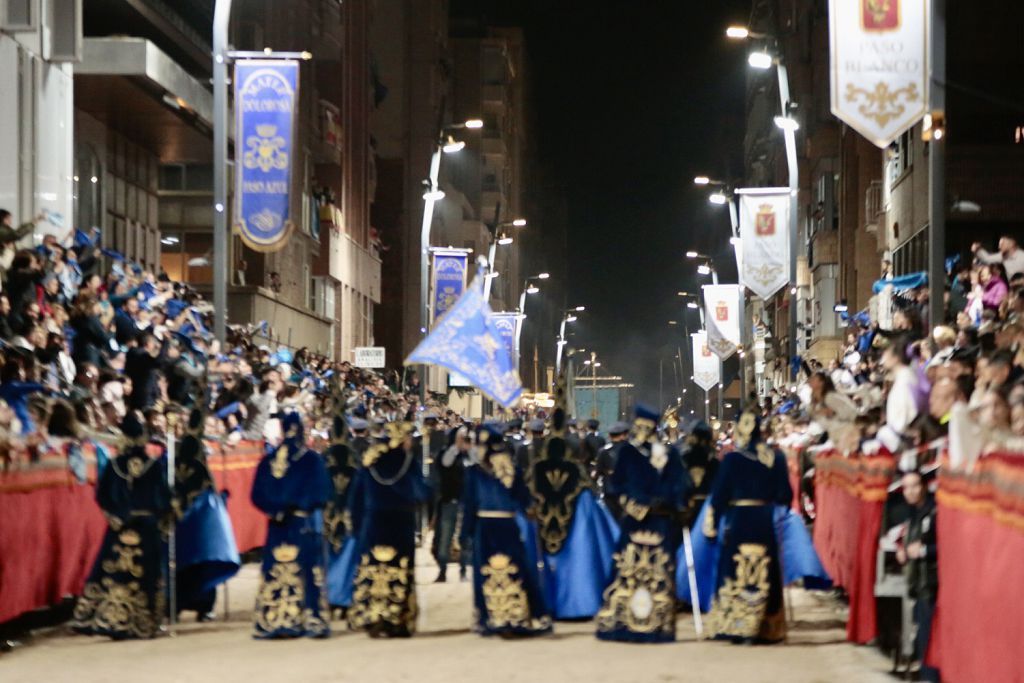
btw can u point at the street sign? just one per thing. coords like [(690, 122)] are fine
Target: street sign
[(879, 65), (369, 357)]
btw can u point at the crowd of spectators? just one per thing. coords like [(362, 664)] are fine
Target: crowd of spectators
[(87, 335)]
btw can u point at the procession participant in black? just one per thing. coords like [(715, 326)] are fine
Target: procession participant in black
[(451, 471), (292, 486), (207, 554), (605, 466), (752, 479), (577, 534), (591, 444), (529, 450), (383, 501), (507, 594), (700, 461), (124, 596), (339, 458), (652, 487)]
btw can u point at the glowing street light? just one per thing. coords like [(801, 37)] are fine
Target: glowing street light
[(434, 195), (544, 276), (473, 124), (505, 241), (519, 222), (760, 60), (737, 32), (787, 123), (718, 198), (532, 289), (702, 180), (452, 146)]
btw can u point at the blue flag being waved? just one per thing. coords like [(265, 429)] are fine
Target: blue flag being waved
[(467, 341)]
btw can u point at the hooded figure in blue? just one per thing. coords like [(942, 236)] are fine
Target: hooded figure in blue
[(292, 487), (753, 478), (341, 543), (507, 593), (125, 594), (207, 555), (383, 502), (652, 488), (577, 533)]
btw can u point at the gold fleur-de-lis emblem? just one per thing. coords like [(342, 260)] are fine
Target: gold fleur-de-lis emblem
[(557, 479), (265, 150)]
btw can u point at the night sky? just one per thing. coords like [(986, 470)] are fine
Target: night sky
[(632, 100)]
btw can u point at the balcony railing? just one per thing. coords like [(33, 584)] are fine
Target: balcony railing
[(874, 206)]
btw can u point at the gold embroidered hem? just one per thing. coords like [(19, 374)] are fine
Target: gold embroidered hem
[(282, 595), (640, 598), (384, 592), (740, 608), (118, 609), (504, 598)]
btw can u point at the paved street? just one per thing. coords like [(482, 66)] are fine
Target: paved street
[(445, 650)]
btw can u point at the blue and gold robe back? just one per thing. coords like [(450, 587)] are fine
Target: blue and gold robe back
[(292, 487), (507, 593), (383, 500), (652, 488), (124, 596)]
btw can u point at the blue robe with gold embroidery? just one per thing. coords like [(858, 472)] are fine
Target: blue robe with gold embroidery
[(652, 488), (748, 602), (292, 487), (341, 557), (383, 501), (507, 591), (576, 531), (125, 594), (207, 554)]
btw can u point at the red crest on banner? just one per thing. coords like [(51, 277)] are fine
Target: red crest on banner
[(765, 223), (722, 312), (705, 350), (880, 15)]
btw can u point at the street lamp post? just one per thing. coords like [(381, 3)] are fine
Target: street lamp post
[(433, 195), (762, 59), (528, 288), (498, 238), (568, 317), (708, 268)]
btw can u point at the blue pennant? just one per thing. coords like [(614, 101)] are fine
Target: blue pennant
[(467, 341)]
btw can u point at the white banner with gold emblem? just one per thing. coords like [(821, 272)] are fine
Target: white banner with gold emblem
[(705, 362), (722, 313), (879, 53), (764, 231)]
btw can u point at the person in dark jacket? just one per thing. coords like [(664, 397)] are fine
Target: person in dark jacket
[(25, 273), (142, 366), (90, 335), (451, 474), (920, 562), (591, 444)]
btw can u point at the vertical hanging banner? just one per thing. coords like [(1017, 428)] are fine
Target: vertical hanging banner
[(722, 313), (764, 231), (448, 280), (266, 97), (705, 362), (879, 55), (506, 322)]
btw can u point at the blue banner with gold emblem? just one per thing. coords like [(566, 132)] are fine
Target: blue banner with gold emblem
[(506, 324), (449, 280), (266, 98), (468, 341)]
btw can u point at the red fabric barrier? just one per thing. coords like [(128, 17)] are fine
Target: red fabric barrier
[(235, 473), (51, 527), (978, 631), (850, 495)]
